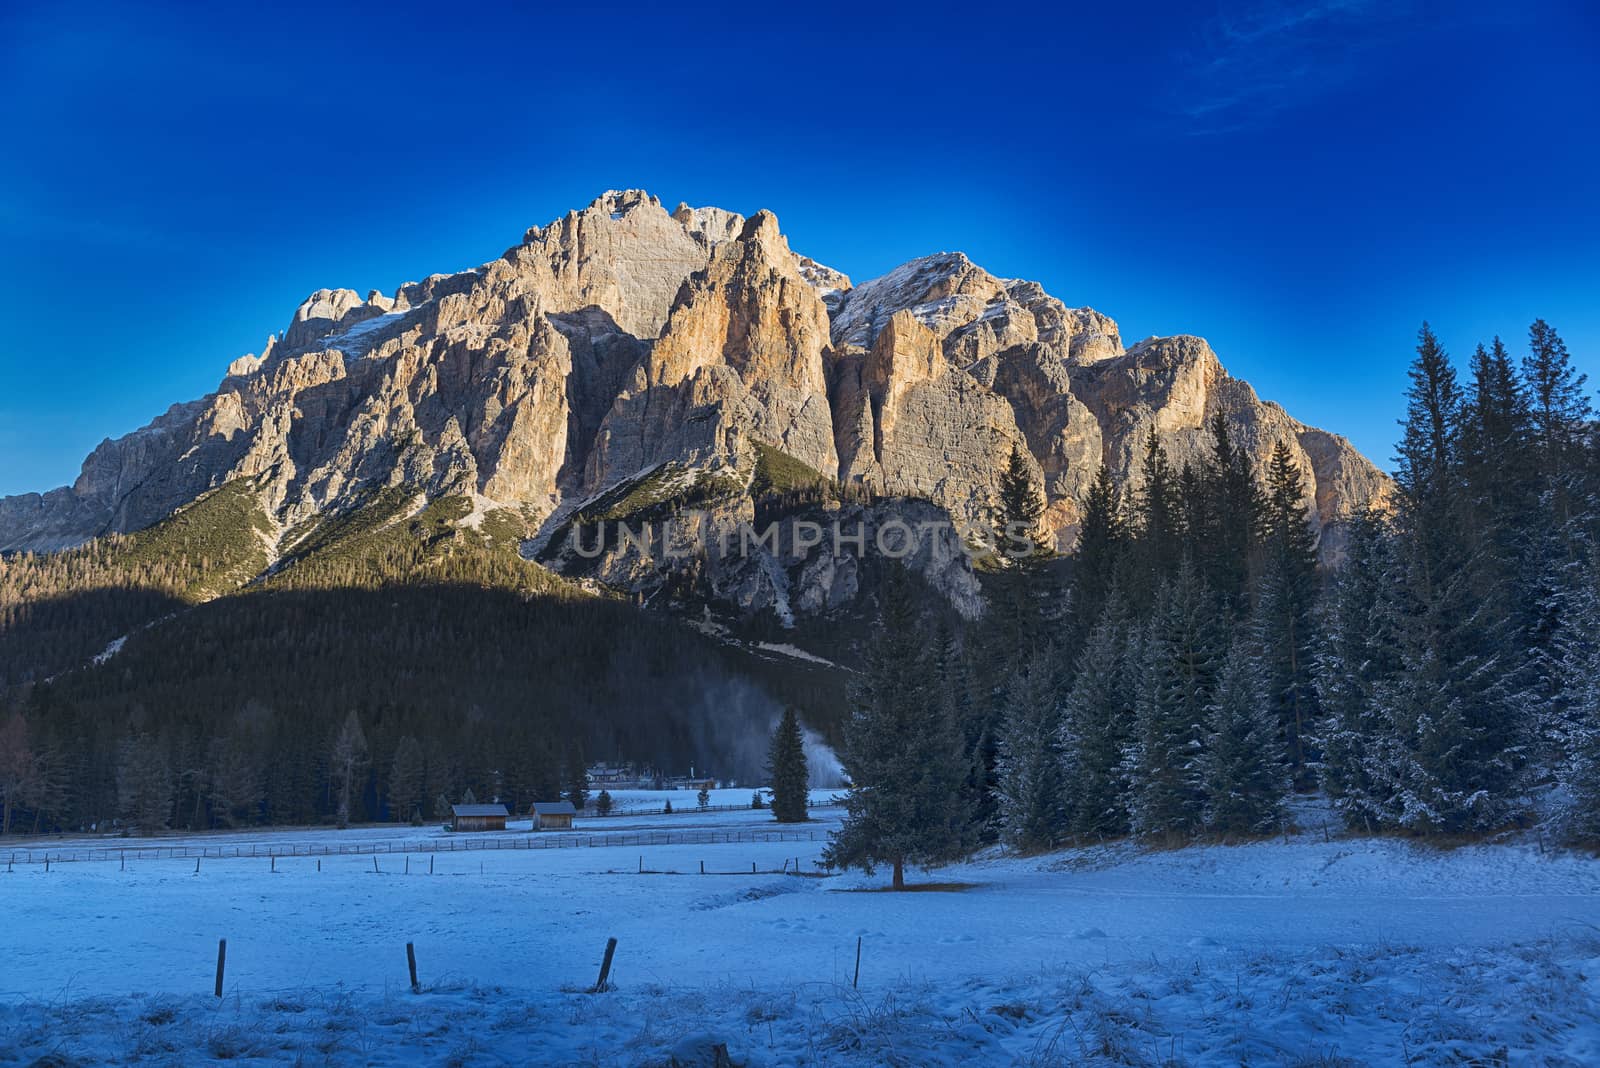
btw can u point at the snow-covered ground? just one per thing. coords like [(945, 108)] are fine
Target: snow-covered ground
[(1301, 952)]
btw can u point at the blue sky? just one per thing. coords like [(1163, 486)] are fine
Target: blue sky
[(1301, 184)]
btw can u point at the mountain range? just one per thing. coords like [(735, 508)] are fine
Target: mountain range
[(627, 360)]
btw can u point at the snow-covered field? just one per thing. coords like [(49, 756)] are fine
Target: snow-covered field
[(1306, 952)]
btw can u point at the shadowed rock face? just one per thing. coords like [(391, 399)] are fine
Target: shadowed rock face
[(623, 336)]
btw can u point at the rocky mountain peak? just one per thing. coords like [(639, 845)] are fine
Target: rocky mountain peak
[(621, 337)]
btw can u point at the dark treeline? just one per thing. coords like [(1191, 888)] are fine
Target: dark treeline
[(1195, 665), (322, 706)]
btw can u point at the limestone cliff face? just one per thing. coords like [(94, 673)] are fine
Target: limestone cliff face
[(741, 355), (911, 424), (624, 336)]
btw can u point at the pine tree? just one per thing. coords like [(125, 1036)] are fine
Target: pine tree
[(602, 803), (786, 763), (1560, 412), (1102, 543), (1179, 658), (348, 756), (1242, 769), (901, 754), (144, 784), (18, 767), (1097, 727), (575, 776), (405, 780), (1284, 613), (1228, 513), (1021, 510), (1454, 715), (1029, 769), (1158, 522)]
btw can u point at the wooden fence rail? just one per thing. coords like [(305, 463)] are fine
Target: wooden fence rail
[(463, 842)]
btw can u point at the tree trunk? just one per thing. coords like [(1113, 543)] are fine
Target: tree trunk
[(5, 824), (899, 873)]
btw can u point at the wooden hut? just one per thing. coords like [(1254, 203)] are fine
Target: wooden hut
[(553, 815), (478, 817)]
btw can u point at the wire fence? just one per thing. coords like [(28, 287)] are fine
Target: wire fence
[(461, 842)]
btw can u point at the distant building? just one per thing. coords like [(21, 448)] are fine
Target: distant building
[(478, 817), (553, 815)]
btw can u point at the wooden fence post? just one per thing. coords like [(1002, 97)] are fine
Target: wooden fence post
[(857, 980), (222, 958), (411, 962), (375, 864), (274, 863), (430, 863), (605, 967)]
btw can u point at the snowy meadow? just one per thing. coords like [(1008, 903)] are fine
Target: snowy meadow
[(1311, 950)]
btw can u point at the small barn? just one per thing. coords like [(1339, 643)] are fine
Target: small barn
[(478, 817), (553, 815)]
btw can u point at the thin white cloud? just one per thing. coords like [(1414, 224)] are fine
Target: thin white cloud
[(1253, 62)]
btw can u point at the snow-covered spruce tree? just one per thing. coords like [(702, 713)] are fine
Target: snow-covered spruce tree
[(1228, 512), (1097, 721), (1575, 756), (901, 753), (1029, 770), (786, 763), (1453, 706), (1103, 541), (1178, 663), (1357, 655), (1242, 769), (1156, 514), (1284, 618)]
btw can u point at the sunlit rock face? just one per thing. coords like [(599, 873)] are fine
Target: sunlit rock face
[(624, 336)]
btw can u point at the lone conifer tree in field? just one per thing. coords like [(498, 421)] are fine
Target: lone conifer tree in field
[(901, 754), (786, 762)]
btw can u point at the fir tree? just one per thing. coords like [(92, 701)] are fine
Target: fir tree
[(901, 754), (18, 768), (1102, 543), (575, 776), (349, 755), (1230, 511), (1284, 613), (1029, 770), (1454, 717), (1158, 523), (1560, 413), (405, 780), (144, 784), (1241, 767), (602, 803), (1097, 727), (1178, 662), (786, 763), (1021, 509)]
